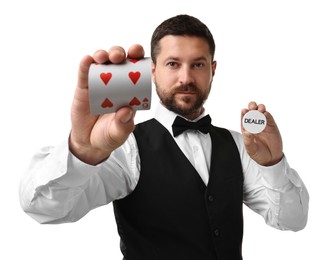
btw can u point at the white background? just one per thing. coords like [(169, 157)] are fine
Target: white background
[(273, 52)]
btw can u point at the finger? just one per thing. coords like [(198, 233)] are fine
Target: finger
[(116, 54), (83, 72), (243, 112), (261, 108), (101, 56), (136, 51), (270, 119), (252, 105)]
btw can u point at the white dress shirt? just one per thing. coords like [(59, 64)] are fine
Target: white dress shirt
[(58, 187)]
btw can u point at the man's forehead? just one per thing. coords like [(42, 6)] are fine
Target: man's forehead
[(178, 46)]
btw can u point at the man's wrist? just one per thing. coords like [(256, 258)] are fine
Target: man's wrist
[(87, 154)]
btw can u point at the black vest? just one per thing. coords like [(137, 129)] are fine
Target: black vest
[(171, 214)]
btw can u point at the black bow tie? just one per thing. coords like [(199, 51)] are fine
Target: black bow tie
[(180, 125)]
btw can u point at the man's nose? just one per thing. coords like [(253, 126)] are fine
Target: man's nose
[(186, 75)]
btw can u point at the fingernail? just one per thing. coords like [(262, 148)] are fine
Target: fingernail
[(127, 118)]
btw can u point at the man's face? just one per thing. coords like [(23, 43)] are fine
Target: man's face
[(183, 74)]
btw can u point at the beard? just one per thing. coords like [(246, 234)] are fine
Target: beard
[(190, 105)]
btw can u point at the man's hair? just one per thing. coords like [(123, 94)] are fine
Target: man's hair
[(181, 25)]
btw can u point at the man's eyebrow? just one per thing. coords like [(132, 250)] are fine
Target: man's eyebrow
[(201, 58), (173, 58)]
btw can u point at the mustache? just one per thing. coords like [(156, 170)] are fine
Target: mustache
[(187, 87)]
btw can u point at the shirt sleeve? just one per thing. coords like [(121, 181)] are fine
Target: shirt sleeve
[(276, 192), (57, 187)]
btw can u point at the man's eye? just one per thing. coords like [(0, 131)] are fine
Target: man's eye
[(199, 65), (172, 64)]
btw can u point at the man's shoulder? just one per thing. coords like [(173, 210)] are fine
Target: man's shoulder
[(146, 123), (226, 130), (150, 125)]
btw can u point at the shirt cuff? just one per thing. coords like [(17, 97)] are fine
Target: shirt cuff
[(275, 176)]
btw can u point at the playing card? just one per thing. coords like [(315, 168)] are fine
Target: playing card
[(112, 86)]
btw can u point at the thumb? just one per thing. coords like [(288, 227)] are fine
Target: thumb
[(120, 128), (124, 121), (125, 116), (250, 144)]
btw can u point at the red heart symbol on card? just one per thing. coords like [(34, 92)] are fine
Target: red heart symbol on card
[(106, 77), (145, 100), (106, 103), (135, 102), (133, 60), (134, 76)]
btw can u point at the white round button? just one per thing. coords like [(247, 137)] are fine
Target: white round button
[(254, 121)]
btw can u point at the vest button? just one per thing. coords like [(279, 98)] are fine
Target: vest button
[(210, 198), (216, 232)]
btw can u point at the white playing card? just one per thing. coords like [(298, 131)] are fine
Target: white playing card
[(112, 86)]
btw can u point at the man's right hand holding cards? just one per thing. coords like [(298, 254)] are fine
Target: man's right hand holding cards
[(94, 137)]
